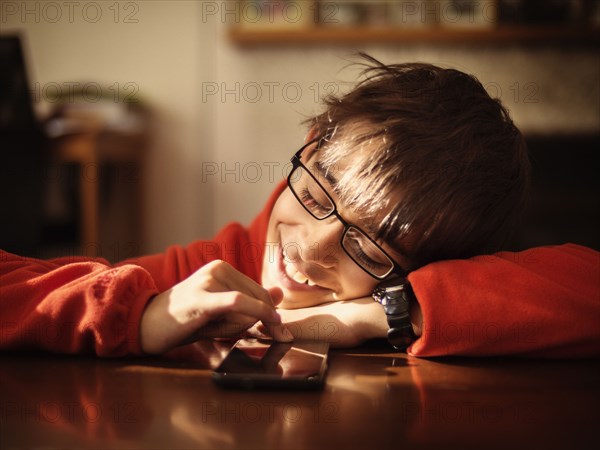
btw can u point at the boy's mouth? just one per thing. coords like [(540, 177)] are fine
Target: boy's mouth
[(292, 278), (295, 274)]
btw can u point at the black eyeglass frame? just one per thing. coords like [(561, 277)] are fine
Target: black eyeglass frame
[(297, 163)]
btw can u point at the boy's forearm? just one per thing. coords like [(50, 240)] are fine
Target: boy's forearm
[(343, 323)]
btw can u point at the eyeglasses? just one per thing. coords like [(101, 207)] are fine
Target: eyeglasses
[(363, 250)]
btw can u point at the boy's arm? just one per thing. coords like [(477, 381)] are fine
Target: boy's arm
[(71, 305), (344, 323), (539, 302)]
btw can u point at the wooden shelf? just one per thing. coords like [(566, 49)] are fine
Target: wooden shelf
[(248, 37)]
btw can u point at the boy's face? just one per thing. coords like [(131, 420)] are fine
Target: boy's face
[(301, 248)]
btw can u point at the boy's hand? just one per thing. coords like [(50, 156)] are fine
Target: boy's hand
[(343, 323), (215, 301)]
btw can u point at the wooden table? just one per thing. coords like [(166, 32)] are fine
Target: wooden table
[(373, 399)]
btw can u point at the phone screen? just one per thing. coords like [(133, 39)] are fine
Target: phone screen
[(259, 363)]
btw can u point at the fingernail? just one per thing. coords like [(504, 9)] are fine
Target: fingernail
[(276, 317), (287, 334)]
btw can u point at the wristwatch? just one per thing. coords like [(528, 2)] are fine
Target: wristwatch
[(396, 296)]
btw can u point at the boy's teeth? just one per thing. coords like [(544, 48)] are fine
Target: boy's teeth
[(299, 278), (291, 272)]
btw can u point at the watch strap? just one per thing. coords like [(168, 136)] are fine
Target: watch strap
[(396, 296)]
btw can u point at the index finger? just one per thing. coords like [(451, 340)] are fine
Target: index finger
[(235, 280), (252, 307)]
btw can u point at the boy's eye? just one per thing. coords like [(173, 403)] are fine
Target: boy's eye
[(368, 255), (317, 203)]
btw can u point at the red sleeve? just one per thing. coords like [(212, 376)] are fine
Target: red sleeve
[(542, 302), (177, 262), (71, 305)]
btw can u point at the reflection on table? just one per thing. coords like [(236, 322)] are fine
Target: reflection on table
[(373, 398)]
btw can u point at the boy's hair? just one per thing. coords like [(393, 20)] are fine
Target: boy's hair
[(435, 148)]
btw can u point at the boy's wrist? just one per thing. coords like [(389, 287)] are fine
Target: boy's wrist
[(377, 325)]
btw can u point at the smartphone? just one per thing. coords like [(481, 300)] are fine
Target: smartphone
[(265, 364)]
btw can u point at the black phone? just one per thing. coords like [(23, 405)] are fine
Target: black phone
[(262, 363)]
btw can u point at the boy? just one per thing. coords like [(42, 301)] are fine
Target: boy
[(416, 165)]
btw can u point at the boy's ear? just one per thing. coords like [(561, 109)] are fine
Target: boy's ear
[(311, 135)]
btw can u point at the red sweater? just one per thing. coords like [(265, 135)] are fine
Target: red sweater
[(540, 302)]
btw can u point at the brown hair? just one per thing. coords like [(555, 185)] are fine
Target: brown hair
[(442, 156)]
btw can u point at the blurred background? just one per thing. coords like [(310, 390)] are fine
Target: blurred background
[(129, 126)]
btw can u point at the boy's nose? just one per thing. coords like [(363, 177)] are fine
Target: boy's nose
[(321, 243)]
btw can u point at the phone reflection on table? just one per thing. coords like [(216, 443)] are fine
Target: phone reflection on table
[(264, 363)]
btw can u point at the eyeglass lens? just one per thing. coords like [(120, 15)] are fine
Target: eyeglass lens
[(312, 195)]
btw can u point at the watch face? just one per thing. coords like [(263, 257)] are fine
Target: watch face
[(390, 290), (379, 295)]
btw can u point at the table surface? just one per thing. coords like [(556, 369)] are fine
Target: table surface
[(373, 399)]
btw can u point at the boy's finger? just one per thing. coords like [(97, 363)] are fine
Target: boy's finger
[(237, 281), (242, 303), (279, 332), (260, 329), (276, 295)]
